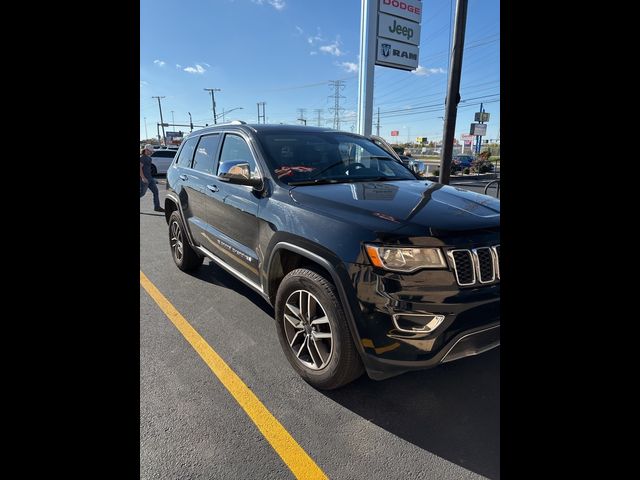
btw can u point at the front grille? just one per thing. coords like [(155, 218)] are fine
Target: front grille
[(463, 263), (479, 265)]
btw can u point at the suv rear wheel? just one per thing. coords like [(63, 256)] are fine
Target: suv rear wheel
[(183, 255), (313, 331)]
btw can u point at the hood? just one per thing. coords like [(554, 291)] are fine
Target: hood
[(395, 205)]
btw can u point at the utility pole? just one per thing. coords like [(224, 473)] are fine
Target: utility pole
[(453, 91), (146, 135), (263, 116), (164, 139), (479, 137), (319, 112), (173, 120), (158, 128), (337, 85), (213, 101), (378, 124), (190, 122), (301, 112)]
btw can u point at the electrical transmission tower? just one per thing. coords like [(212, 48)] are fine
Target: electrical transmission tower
[(319, 113), (338, 86), (301, 112), (263, 116)]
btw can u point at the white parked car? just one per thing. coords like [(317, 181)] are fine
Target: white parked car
[(161, 159)]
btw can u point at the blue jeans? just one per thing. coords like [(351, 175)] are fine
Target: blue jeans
[(154, 189)]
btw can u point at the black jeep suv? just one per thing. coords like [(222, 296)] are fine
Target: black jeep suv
[(368, 267)]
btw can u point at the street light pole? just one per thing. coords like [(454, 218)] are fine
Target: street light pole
[(224, 112), (164, 139), (190, 122)]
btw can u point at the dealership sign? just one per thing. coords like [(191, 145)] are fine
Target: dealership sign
[(398, 29), (397, 54), (395, 133), (398, 35), (409, 9)]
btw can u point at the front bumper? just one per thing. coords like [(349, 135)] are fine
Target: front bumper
[(464, 344), (468, 320)]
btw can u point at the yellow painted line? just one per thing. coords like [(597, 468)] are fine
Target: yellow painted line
[(292, 454)]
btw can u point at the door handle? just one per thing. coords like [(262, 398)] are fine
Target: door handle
[(183, 177), (213, 188)]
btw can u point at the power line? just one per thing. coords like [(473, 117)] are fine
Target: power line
[(263, 116)]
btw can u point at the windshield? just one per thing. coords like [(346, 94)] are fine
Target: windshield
[(328, 157)]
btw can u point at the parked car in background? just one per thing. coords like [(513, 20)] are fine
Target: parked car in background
[(161, 159), (416, 166)]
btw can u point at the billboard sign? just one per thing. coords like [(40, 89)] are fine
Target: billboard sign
[(485, 117), (395, 133)]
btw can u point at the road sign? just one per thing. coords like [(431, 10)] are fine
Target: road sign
[(398, 29), (466, 136), (478, 129), (395, 133), (485, 117)]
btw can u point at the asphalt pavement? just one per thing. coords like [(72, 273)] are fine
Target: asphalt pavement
[(442, 423)]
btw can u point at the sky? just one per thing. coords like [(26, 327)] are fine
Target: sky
[(285, 53)]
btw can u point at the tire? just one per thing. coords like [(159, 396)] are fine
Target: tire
[(154, 170), (185, 257), (326, 357)]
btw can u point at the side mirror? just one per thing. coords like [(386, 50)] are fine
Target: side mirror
[(238, 172)]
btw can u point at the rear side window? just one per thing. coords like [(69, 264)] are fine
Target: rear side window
[(186, 154), (206, 152)]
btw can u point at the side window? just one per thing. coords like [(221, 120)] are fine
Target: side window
[(206, 152), (186, 154), (235, 149)]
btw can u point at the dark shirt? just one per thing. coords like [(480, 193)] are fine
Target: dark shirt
[(146, 166)]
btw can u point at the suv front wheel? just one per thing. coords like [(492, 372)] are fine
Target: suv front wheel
[(313, 331), (183, 255)]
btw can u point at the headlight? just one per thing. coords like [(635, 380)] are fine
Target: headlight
[(405, 259)]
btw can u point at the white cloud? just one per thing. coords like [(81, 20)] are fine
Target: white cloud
[(349, 67), (160, 63), (420, 71), (299, 30), (178, 66), (277, 4), (313, 53), (205, 63), (332, 48), (143, 83), (315, 38), (197, 69)]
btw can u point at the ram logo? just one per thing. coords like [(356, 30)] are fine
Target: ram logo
[(385, 49)]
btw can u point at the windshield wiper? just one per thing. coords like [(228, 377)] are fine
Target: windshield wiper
[(317, 181)]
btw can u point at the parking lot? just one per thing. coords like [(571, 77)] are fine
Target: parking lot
[(441, 423)]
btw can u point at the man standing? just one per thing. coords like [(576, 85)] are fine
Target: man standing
[(146, 179)]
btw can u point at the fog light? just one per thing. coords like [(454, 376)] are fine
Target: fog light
[(417, 322)]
